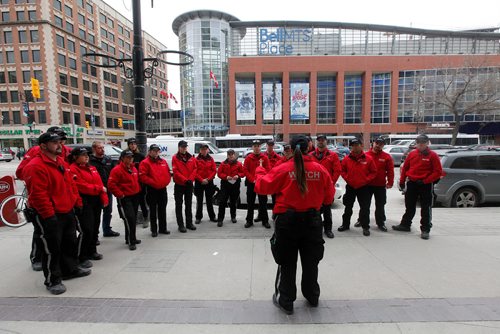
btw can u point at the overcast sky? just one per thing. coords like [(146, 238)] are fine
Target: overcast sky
[(426, 14)]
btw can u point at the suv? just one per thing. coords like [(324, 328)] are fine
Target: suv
[(469, 178)]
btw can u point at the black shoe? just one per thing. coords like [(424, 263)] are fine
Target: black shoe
[(97, 243), (366, 232), (401, 227), (233, 220), (424, 235), (329, 234), (182, 229), (96, 256), (154, 234), (312, 303), (191, 227), (258, 219), (266, 225), (219, 224), (358, 224), (57, 289), (36, 266), (197, 221), (111, 234), (213, 220), (136, 242), (85, 264), (165, 232), (248, 224), (287, 310), (383, 228), (132, 247), (79, 272), (343, 228)]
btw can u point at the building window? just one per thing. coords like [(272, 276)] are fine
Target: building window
[(68, 11), (90, 9), (42, 118), (102, 18), (75, 99), (63, 79), (7, 37), (353, 88), (12, 77), (71, 46), (80, 3), (109, 122), (34, 36), (86, 101), (61, 59), (20, 15), (5, 17), (64, 97), (111, 23), (74, 82), (90, 23), (86, 85), (26, 76), (66, 117), (16, 116), (81, 18), (58, 21), (23, 36), (2, 74), (5, 114), (25, 58), (381, 98), (10, 57), (94, 87), (14, 96), (326, 100), (38, 75), (72, 63), (57, 5), (91, 39), (32, 15), (69, 27), (60, 41)]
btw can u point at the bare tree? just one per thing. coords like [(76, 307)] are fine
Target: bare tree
[(471, 89)]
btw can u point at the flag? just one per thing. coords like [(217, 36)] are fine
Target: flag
[(164, 94), (212, 76), (173, 98)]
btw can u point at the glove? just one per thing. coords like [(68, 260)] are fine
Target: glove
[(419, 182), (78, 210), (401, 186), (189, 183)]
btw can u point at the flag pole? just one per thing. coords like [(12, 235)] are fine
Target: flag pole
[(211, 107)]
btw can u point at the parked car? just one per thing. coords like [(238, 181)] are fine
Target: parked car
[(278, 148), (109, 150), (340, 149), (396, 153), (6, 156), (469, 178)]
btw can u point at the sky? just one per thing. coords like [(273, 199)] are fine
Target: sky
[(425, 14)]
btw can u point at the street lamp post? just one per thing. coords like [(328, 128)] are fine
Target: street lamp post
[(274, 110), (72, 112)]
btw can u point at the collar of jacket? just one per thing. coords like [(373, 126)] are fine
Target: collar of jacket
[(357, 157), (320, 155), (206, 157), (184, 157)]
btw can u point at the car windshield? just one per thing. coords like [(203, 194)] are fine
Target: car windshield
[(213, 148), (112, 150)]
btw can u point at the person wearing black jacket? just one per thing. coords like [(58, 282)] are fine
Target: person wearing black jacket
[(138, 157), (104, 164)]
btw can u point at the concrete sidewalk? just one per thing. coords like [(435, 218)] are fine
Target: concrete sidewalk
[(221, 280)]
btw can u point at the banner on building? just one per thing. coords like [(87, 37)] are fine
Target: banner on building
[(299, 101), (245, 102), (268, 110)]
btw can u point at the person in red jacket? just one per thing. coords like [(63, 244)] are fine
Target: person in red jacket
[(358, 170), (155, 174), (329, 160), (252, 161), (383, 181), (271, 154), (184, 168), (204, 183), (123, 183), (302, 187), (230, 172), (421, 169), (53, 195), (94, 197)]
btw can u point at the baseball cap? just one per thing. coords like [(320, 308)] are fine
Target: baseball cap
[(379, 140), (58, 130), (131, 141), (47, 137), (421, 139), (79, 151), (256, 142), (270, 142), (203, 146), (126, 153), (182, 143), (300, 141), (154, 147), (355, 141), (319, 137)]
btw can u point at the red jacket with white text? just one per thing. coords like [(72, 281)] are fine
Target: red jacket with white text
[(252, 161), (424, 166), (154, 173), (89, 182), (184, 168), (205, 168), (385, 169), (232, 169), (124, 181), (329, 160), (358, 170)]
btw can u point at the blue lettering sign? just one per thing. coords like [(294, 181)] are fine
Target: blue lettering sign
[(280, 41)]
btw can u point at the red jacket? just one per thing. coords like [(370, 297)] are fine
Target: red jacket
[(252, 161), (35, 151), (50, 186), (358, 170), (88, 182), (281, 181), (232, 169), (184, 169), (123, 181), (273, 158), (385, 169), (205, 168), (424, 166), (329, 160), (154, 173)]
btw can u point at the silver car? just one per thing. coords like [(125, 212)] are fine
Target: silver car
[(469, 178), (396, 152)]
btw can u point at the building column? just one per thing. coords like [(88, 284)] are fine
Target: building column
[(313, 93), (366, 107), (340, 103)]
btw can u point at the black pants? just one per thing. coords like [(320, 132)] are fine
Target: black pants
[(364, 199), (128, 207), (90, 220), (251, 204), (106, 215), (142, 201), (157, 200), (60, 247), (183, 193), (326, 210), (379, 193), (229, 192), (36, 244), (207, 190), (413, 192), (297, 233)]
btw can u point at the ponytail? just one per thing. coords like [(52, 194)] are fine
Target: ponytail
[(300, 171)]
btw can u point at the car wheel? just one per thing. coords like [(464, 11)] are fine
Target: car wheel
[(465, 198)]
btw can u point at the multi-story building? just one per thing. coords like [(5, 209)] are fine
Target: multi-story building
[(291, 77), (46, 40)]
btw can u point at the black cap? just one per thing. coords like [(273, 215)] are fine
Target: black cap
[(131, 141), (422, 139), (299, 141), (231, 151), (270, 142), (319, 137), (48, 136), (79, 151), (379, 140), (126, 153), (256, 142), (58, 130), (154, 147), (182, 143), (203, 146), (355, 141)]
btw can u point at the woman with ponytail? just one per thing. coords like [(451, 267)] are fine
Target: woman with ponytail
[(301, 186)]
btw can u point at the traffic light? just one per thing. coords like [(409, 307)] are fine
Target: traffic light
[(120, 123), (35, 88), (87, 124)]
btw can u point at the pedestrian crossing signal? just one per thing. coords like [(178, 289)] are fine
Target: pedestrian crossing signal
[(87, 124)]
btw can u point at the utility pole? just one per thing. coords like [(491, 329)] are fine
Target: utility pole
[(274, 109)]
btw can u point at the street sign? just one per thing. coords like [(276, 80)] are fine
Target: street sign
[(26, 109), (128, 121)]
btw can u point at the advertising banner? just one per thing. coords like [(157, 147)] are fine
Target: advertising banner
[(267, 102), (299, 101), (245, 102)]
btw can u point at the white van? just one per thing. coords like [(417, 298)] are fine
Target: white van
[(169, 147)]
